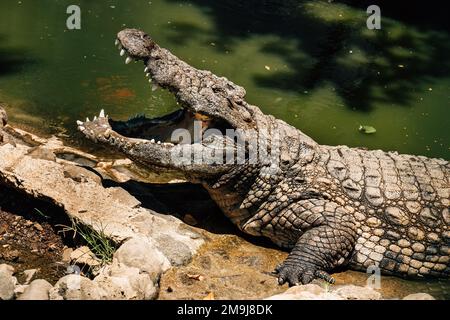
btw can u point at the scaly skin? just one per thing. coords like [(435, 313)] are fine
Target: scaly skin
[(333, 206)]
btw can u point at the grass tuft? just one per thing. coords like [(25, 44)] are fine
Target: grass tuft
[(97, 241)]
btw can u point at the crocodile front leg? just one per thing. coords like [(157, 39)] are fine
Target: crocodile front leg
[(328, 237)]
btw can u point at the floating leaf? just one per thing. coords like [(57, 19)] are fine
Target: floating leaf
[(367, 129)]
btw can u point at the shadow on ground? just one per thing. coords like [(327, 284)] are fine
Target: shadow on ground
[(188, 202)]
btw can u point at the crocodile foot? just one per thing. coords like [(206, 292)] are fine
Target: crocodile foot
[(296, 274)]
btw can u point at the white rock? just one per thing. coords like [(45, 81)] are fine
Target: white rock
[(352, 292), (7, 284), (131, 285), (29, 274), (419, 296), (76, 287), (20, 289), (7, 269), (37, 290), (142, 254), (84, 255), (306, 292)]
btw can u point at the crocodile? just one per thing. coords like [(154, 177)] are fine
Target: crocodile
[(333, 207)]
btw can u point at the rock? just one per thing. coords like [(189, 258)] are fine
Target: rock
[(419, 296), (42, 153), (20, 289), (312, 288), (84, 255), (124, 197), (66, 254), (127, 284), (177, 252), (142, 254), (80, 174), (315, 292), (80, 192), (29, 274), (76, 287), (7, 283), (37, 290), (7, 269), (352, 292), (306, 292)]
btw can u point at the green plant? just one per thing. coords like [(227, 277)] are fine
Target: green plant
[(97, 241), (39, 212)]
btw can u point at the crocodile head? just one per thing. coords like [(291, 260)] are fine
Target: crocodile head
[(208, 107), (212, 121)]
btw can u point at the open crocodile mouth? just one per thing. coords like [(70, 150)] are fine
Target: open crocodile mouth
[(159, 130)]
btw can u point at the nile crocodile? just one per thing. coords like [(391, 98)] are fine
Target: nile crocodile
[(334, 206)]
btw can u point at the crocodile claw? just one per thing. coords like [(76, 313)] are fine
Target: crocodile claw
[(297, 274)]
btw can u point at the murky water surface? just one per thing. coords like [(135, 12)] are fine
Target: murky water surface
[(314, 65)]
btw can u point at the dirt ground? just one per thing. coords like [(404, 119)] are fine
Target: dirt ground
[(27, 244)]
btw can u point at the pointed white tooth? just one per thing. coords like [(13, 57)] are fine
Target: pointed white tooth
[(117, 42), (146, 70), (102, 113), (80, 123), (81, 128), (159, 142), (147, 75), (155, 87), (122, 52), (92, 132), (87, 119), (95, 118), (152, 141), (128, 60), (150, 80)]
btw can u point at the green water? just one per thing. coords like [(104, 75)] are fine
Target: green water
[(312, 64)]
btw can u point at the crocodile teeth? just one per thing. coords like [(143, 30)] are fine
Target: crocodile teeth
[(122, 52), (155, 87), (80, 123), (159, 142), (87, 119), (116, 43), (146, 69), (128, 60), (95, 118), (102, 113), (150, 80), (152, 141), (81, 128), (147, 75)]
